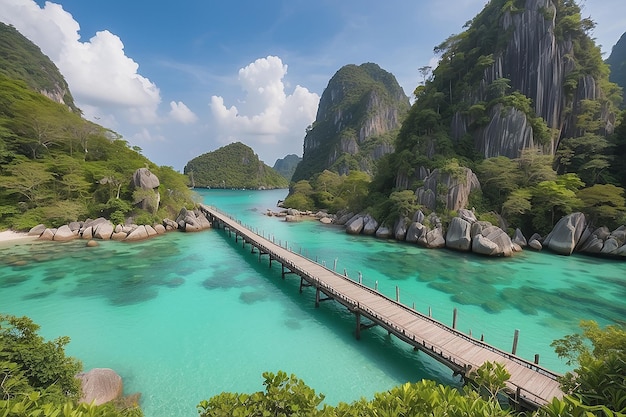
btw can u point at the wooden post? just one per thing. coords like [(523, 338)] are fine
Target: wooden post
[(345, 273), (283, 270), (376, 285), (413, 305), (360, 278), (515, 338), (482, 337), (358, 325), (430, 312), (536, 359), (454, 318), (317, 297), (335, 265), (397, 293)]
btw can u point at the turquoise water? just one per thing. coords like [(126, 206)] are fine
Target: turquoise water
[(186, 316)]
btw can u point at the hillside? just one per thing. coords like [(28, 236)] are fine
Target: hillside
[(233, 166), (20, 59), (56, 167), (287, 166), (617, 62), (358, 113)]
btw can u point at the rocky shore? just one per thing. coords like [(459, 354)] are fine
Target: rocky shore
[(102, 229), (572, 233)]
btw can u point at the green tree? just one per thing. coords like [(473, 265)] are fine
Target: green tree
[(600, 356), (42, 363), (604, 203)]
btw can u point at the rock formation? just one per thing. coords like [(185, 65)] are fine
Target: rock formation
[(100, 385), (360, 105), (150, 197), (457, 187)]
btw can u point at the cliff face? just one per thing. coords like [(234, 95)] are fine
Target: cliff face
[(358, 109), (617, 62), (21, 59), (542, 63)]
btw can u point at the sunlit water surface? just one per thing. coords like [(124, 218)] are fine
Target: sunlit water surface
[(183, 317)]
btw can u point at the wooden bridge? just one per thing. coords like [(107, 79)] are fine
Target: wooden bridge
[(529, 386)]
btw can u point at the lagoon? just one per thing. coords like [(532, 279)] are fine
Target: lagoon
[(186, 316)]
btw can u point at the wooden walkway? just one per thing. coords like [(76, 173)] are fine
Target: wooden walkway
[(529, 386)]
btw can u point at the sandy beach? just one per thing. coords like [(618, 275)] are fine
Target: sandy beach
[(10, 235)]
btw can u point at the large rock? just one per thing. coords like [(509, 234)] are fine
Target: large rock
[(415, 231), (140, 233), (37, 230), (399, 231), (483, 246), (500, 238), (433, 239), (64, 234), (566, 234), (458, 236), (145, 180), (100, 385), (383, 232), (354, 227), (47, 234), (458, 184), (519, 239), (370, 225), (104, 231)]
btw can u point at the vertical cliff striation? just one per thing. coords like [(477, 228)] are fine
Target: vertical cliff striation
[(358, 111)]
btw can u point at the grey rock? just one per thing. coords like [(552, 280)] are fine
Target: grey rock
[(104, 231), (64, 234), (119, 236), (592, 245), (87, 233), (419, 216), (150, 230), (144, 179), (458, 186), (415, 231), (354, 227), (433, 239), (47, 234), (370, 225), (467, 215), (478, 227), (535, 244), (566, 233), (500, 238), (400, 228), (37, 230), (74, 226), (383, 232), (100, 385), (159, 228), (519, 239), (458, 236), (483, 246), (610, 246), (343, 219), (140, 233), (326, 220), (602, 232)]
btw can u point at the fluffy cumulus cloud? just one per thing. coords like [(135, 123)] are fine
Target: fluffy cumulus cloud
[(268, 118), (101, 77), (181, 113)]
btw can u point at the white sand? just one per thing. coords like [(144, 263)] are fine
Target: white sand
[(10, 235)]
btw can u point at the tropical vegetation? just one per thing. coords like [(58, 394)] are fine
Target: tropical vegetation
[(581, 170), (57, 167), (38, 379), (233, 166)]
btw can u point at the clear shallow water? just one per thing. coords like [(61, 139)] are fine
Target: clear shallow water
[(187, 316)]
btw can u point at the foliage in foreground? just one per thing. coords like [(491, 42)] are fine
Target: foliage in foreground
[(38, 379), (596, 388)]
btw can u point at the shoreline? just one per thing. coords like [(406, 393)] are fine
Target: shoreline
[(10, 236)]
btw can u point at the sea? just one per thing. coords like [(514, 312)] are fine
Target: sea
[(186, 316)]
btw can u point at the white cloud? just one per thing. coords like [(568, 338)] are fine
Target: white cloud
[(268, 119), (99, 73), (181, 113)]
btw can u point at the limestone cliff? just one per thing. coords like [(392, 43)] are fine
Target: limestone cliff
[(358, 111), (544, 59)]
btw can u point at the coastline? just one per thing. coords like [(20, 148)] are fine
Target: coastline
[(10, 236)]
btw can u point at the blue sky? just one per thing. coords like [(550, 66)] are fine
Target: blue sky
[(181, 78)]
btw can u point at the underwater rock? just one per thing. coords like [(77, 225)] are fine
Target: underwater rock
[(100, 385)]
